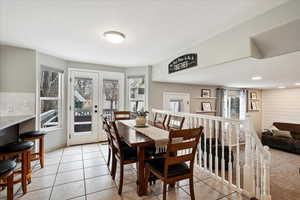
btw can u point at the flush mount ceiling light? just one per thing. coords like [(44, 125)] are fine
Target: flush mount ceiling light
[(114, 37), (255, 78), (281, 87)]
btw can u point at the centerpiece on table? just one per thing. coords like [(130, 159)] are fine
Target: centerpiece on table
[(140, 120)]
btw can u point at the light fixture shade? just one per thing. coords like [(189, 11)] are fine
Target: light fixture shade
[(255, 78), (114, 37)]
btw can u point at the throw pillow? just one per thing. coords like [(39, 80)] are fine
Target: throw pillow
[(283, 134)]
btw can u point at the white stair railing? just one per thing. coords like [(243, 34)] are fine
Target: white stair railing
[(231, 151)]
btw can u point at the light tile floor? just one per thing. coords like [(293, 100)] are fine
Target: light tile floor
[(80, 173)]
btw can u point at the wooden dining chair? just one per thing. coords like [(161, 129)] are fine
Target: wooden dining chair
[(175, 122), (178, 163), (121, 115), (160, 118), (123, 154), (109, 141)]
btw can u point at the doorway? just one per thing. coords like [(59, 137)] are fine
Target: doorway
[(91, 95), (176, 102)]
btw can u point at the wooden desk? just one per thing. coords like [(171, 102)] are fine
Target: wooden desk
[(136, 139)]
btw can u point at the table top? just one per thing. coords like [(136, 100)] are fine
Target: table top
[(8, 121), (135, 138)]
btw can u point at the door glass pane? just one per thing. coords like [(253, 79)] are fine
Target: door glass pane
[(111, 91), (83, 104)]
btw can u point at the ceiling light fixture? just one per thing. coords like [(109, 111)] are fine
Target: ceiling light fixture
[(281, 87), (114, 37), (255, 78)]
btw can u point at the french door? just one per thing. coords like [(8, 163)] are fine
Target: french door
[(84, 107), (92, 95)]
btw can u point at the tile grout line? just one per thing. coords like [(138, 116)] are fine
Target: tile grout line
[(85, 197), (56, 173)]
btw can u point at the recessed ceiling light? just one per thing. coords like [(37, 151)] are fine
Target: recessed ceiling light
[(297, 84), (255, 78), (114, 36), (281, 87)]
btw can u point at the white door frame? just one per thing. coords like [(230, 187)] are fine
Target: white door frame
[(102, 75), (185, 96)]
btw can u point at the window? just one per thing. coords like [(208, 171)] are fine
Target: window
[(235, 104), (136, 90), (50, 99)]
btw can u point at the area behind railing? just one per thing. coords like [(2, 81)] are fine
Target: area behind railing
[(231, 151)]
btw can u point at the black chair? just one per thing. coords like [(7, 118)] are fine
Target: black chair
[(23, 150), (33, 136), (6, 175)]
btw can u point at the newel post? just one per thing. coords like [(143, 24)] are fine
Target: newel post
[(248, 168)]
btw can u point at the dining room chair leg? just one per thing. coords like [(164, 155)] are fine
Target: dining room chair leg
[(28, 173), (108, 159), (147, 175), (42, 152), (192, 188), (165, 191), (10, 187), (24, 171), (121, 178), (114, 167)]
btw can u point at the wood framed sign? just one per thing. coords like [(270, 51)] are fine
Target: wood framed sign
[(183, 62)]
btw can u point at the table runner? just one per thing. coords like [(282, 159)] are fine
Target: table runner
[(160, 136)]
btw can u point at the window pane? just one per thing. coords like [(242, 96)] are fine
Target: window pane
[(49, 113), (111, 97), (136, 93), (83, 99), (49, 84)]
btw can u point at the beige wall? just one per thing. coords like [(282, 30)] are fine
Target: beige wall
[(17, 69), (158, 88), (280, 105)]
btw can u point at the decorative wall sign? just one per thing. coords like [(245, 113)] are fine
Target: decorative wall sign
[(183, 62)]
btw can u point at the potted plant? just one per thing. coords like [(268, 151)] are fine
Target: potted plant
[(141, 118)]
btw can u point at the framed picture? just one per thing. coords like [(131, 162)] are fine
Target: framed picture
[(253, 95), (253, 105), (206, 106), (205, 93)]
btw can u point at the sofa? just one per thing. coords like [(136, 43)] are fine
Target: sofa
[(289, 143)]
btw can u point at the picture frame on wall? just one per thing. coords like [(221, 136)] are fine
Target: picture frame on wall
[(206, 106), (253, 95), (253, 105), (205, 93)]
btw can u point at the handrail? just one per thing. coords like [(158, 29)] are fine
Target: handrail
[(232, 152)]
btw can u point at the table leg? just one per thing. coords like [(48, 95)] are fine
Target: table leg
[(141, 171)]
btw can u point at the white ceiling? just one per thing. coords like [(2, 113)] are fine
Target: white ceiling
[(277, 71), (154, 29)]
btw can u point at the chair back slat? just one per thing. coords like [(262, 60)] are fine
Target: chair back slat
[(182, 141), (160, 118), (116, 140), (179, 159), (175, 122), (182, 146), (121, 115)]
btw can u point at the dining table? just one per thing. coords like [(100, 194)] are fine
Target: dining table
[(138, 137)]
